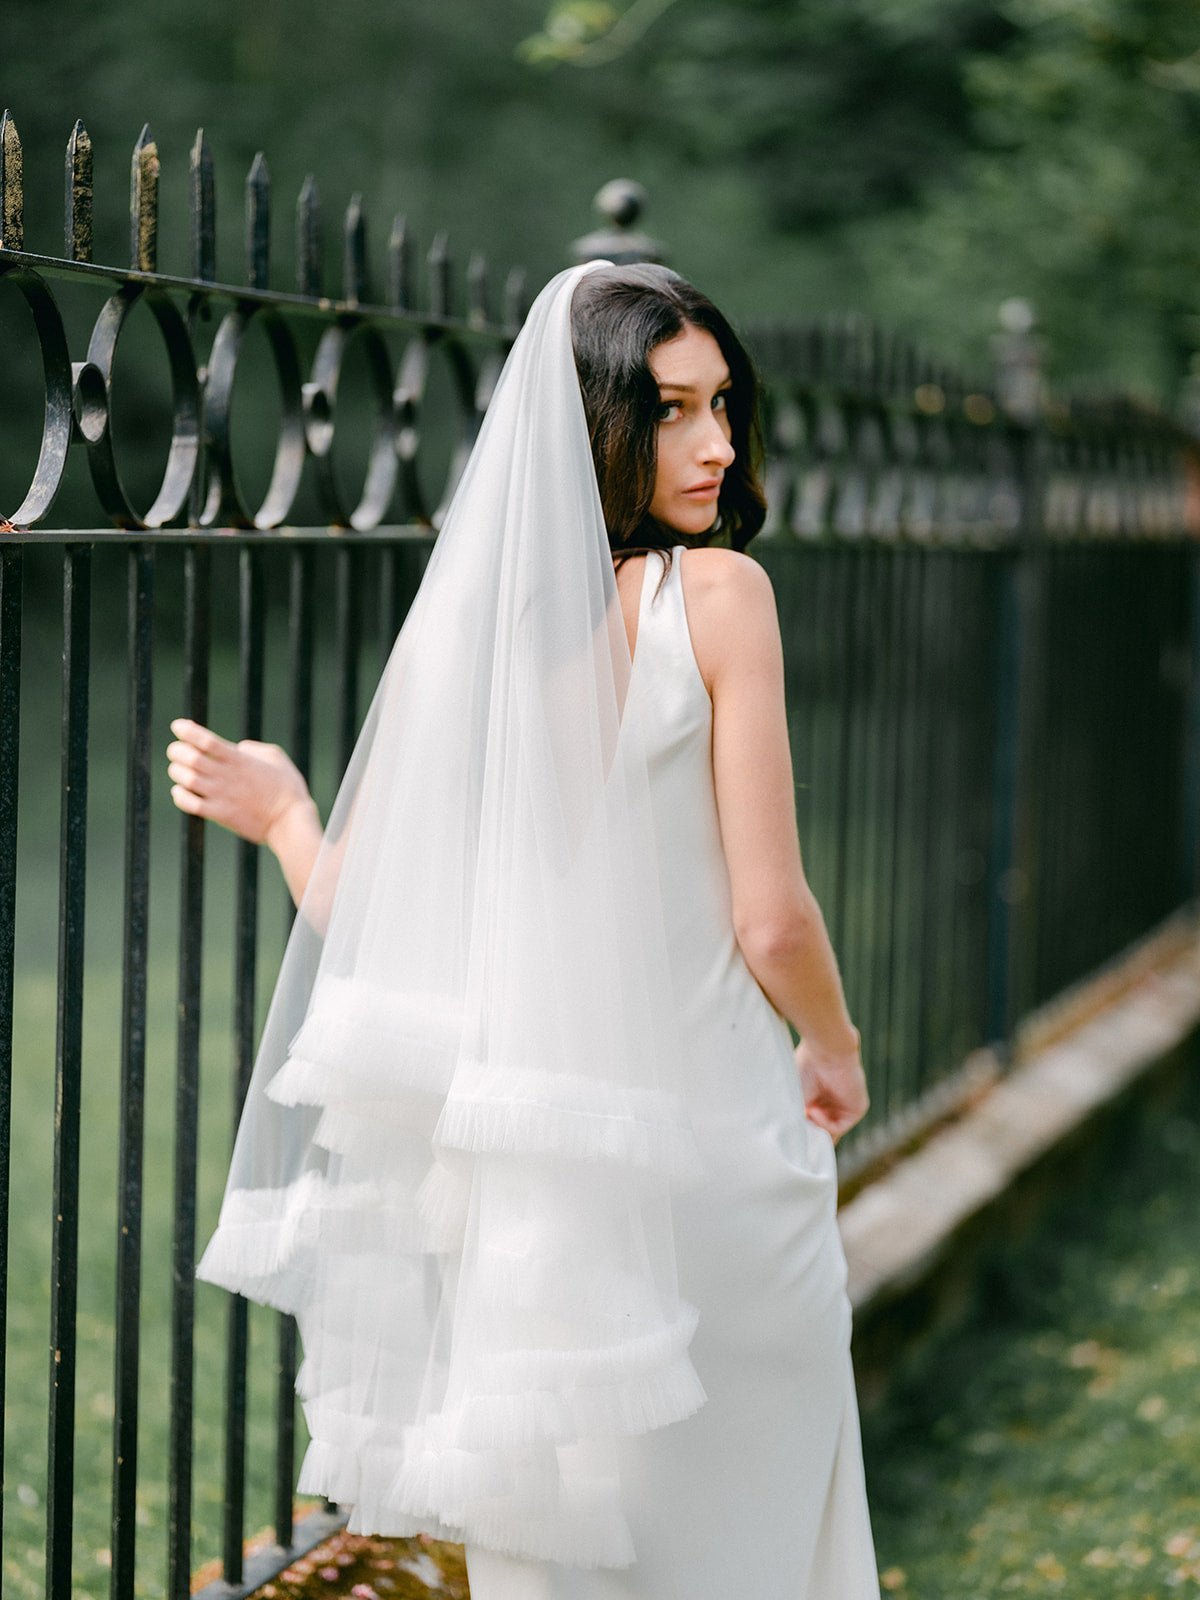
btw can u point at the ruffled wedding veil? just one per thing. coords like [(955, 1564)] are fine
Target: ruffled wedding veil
[(459, 1143)]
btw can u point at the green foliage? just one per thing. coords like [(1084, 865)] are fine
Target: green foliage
[(917, 160), (936, 156)]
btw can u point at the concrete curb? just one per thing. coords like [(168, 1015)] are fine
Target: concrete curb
[(898, 1228)]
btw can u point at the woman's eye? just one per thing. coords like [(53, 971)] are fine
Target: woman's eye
[(667, 407), (721, 400)]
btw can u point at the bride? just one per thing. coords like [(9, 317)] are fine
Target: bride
[(518, 1151)]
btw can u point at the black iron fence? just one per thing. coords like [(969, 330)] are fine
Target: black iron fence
[(990, 604)]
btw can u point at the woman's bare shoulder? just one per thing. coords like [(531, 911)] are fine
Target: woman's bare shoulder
[(712, 570), (730, 601)]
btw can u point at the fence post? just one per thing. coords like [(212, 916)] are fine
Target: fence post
[(621, 203), (1018, 663)]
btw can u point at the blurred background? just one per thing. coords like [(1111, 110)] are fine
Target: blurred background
[(920, 160), (917, 161)]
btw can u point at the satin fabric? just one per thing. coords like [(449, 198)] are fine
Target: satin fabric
[(762, 1491)]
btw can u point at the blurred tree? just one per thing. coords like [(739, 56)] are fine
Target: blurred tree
[(920, 160), (941, 155)]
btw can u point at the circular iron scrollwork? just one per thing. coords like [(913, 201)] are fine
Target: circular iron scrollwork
[(320, 413), (93, 407), (223, 502), (56, 420)]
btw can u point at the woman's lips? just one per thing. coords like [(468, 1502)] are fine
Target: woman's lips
[(704, 491)]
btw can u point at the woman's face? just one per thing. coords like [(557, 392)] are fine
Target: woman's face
[(693, 430)]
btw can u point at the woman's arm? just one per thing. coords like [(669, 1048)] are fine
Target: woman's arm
[(252, 788), (777, 921)]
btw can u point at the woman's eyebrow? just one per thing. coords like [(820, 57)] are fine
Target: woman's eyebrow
[(690, 388)]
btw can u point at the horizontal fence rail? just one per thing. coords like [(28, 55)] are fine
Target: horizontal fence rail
[(989, 601)]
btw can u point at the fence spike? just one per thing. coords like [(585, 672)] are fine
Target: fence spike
[(439, 276), (78, 220), (143, 203), (516, 304), (12, 205), (258, 223), (202, 209), (354, 252), (478, 313), (308, 238), (400, 265)]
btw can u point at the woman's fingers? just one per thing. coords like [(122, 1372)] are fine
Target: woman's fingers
[(835, 1093), (187, 801), (203, 738), (244, 785), (186, 773)]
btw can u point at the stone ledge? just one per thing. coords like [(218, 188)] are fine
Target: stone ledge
[(897, 1229)]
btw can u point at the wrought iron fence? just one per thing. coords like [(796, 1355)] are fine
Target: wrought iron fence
[(990, 611)]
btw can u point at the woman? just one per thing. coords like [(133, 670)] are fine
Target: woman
[(634, 1361)]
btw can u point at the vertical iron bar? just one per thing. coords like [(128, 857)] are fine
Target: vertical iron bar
[(957, 837), (1012, 865), (892, 909), (925, 921), (346, 648), (918, 807), (140, 582), (250, 666), (301, 651), (845, 644), (11, 567), (871, 559), (196, 650), (938, 935), (64, 1270), (886, 738)]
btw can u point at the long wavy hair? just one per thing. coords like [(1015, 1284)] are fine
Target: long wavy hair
[(618, 316)]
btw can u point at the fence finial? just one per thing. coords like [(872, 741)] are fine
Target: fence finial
[(438, 262), (258, 223), (1018, 351), (202, 209), (478, 286), (143, 203), (78, 220), (354, 252), (516, 298), (621, 202), (308, 238), (399, 256), (12, 205)]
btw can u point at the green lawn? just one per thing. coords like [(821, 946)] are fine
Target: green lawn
[(1053, 1446)]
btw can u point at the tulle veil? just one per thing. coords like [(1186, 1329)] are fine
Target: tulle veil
[(458, 1149)]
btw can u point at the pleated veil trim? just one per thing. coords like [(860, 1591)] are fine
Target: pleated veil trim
[(464, 1126)]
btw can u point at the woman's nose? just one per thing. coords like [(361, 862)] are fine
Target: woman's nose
[(716, 447)]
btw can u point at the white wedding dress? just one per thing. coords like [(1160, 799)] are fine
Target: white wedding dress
[(760, 1494)]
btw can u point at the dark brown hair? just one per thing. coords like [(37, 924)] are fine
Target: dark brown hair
[(618, 316)]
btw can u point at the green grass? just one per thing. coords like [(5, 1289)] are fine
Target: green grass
[(1051, 1446)]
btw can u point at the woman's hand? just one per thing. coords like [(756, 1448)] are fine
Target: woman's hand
[(247, 787), (835, 1088)]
